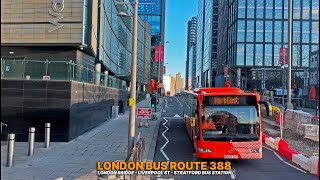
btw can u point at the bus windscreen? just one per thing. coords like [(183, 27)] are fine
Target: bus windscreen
[(230, 123)]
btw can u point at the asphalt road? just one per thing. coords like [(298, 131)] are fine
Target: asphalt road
[(179, 148)]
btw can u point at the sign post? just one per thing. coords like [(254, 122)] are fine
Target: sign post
[(144, 113)]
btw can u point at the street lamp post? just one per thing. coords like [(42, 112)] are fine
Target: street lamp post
[(132, 118), (133, 89), (289, 104)]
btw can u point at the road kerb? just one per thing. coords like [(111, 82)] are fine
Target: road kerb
[(310, 164)]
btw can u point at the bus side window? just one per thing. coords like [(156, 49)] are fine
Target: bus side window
[(197, 122)]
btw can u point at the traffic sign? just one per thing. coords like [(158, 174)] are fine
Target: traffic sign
[(144, 113)]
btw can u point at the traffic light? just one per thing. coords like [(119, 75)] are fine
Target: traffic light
[(153, 100)]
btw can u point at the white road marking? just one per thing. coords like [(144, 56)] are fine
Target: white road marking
[(179, 102), (232, 172), (283, 160), (233, 176), (161, 149), (177, 115)]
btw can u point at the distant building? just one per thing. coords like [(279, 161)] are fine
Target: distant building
[(191, 40), (192, 80), (179, 83), (173, 86)]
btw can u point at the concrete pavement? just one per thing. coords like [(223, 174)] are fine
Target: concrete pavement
[(77, 159)]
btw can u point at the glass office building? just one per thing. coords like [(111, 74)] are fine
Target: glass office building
[(191, 41), (207, 39), (115, 50), (154, 12), (192, 81), (256, 30)]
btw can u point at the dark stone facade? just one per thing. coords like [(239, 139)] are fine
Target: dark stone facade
[(71, 107)]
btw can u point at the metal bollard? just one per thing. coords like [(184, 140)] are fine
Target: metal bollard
[(31, 141), (10, 151), (47, 135)]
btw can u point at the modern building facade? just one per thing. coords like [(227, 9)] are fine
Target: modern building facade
[(207, 39), (154, 13), (192, 80), (67, 63), (173, 86), (251, 33), (191, 40), (179, 83)]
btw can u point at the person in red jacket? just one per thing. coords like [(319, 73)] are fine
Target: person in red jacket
[(208, 125)]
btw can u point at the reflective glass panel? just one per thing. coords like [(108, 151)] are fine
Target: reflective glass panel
[(315, 9), (268, 55), (249, 55), (305, 32), (268, 32), (259, 31), (305, 56), (250, 31), (259, 55), (260, 8), (276, 54), (240, 55)]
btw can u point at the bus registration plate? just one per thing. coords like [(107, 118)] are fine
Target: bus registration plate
[(231, 157)]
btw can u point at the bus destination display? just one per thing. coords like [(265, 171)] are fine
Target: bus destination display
[(229, 100)]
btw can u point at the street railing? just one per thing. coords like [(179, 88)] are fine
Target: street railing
[(65, 70), (136, 156)]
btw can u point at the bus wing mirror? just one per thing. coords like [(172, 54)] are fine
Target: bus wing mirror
[(192, 122), (268, 107)]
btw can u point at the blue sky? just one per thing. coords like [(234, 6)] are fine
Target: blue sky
[(178, 13)]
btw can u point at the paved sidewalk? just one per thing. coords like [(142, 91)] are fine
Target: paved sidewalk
[(77, 159)]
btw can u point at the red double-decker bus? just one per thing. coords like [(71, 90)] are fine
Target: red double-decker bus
[(224, 123)]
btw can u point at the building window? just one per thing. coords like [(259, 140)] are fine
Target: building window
[(306, 9), (250, 31), (269, 9), (259, 31), (277, 31), (259, 55), (268, 32), (276, 54), (268, 55), (296, 31), (250, 9), (305, 32), (260, 8), (315, 32), (305, 56), (240, 55), (296, 9), (241, 30), (315, 9), (249, 55), (285, 32)]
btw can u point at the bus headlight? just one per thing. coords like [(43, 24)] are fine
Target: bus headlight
[(256, 150), (204, 150)]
